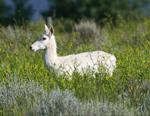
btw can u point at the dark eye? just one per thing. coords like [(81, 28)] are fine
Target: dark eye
[(44, 38)]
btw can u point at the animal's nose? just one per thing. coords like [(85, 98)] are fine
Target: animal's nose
[(30, 47)]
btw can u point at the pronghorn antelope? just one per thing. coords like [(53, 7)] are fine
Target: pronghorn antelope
[(75, 62)]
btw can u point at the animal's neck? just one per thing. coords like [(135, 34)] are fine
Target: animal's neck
[(51, 53)]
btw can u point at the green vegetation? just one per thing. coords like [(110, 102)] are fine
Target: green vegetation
[(99, 10), (26, 83), (19, 15)]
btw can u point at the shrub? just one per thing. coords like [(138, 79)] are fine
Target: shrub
[(19, 96), (89, 32), (29, 98)]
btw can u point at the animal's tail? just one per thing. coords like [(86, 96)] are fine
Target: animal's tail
[(113, 61), (111, 64)]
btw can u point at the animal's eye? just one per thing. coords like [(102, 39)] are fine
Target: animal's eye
[(44, 38)]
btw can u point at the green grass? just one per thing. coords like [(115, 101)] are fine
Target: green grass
[(129, 85)]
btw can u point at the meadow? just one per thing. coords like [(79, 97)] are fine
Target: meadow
[(28, 87)]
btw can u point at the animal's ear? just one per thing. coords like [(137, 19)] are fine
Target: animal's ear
[(47, 31), (51, 30)]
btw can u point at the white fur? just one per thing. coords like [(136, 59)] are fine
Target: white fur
[(76, 62)]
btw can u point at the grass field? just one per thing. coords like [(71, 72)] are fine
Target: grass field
[(28, 87)]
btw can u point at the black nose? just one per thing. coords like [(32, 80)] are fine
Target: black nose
[(30, 48)]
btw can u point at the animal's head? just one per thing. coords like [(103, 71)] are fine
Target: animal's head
[(44, 41)]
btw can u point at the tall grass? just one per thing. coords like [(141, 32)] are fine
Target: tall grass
[(27, 87)]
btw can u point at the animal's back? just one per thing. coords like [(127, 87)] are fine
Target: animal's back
[(83, 61)]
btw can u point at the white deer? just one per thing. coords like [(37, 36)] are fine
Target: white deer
[(76, 62)]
